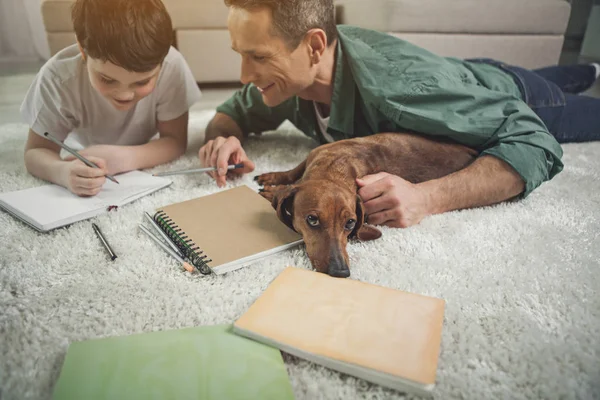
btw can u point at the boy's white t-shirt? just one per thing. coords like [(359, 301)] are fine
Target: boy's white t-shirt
[(62, 101)]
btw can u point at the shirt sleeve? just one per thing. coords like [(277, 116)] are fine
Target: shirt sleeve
[(177, 87), (252, 115), (492, 122), (47, 107)]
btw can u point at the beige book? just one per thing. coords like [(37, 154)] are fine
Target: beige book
[(386, 336), (227, 230)]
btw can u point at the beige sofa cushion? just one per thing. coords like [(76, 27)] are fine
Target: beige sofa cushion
[(197, 14), (458, 16), (528, 51), (185, 14), (209, 55), (59, 40), (57, 15)]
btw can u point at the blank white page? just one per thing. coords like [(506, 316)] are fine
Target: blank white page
[(51, 204)]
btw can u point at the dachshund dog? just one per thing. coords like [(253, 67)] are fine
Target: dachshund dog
[(319, 199)]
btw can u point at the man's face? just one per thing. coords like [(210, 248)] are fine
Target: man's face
[(277, 72), (121, 87)]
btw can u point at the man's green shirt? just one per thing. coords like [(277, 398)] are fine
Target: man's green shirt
[(384, 84)]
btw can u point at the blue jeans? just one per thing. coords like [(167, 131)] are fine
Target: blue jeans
[(551, 93)]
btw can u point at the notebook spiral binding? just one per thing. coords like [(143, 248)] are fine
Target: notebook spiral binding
[(178, 237)]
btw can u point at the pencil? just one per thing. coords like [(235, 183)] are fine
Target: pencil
[(111, 253), (164, 235), (196, 170), (76, 154), (166, 248)]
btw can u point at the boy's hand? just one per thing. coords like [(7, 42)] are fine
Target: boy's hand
[(83, 180), (221, 152)]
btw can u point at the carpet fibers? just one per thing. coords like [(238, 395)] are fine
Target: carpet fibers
[(521, 282)]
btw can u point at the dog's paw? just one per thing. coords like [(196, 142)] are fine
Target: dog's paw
[(269, 179), (266, 195), (268, 192)]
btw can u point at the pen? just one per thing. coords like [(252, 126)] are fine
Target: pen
[(195, 170), (76, 154), (104, 242), (159, 242), (164, 235)]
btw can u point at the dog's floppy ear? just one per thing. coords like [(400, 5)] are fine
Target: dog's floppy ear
[(283, 202), (362, 231)]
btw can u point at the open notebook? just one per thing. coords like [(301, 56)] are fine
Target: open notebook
[(382, 335), (200, 363), (51, 206), (227, 230)]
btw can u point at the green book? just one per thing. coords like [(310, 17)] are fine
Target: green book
[(207, 362)]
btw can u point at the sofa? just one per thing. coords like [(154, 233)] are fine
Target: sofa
[(526, 33)]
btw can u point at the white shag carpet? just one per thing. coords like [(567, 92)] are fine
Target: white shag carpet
[(521, 282)]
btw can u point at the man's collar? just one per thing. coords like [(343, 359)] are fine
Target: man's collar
[(342, 100)]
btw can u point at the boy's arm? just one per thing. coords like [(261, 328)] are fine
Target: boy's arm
[(169, 146), (42, 159)]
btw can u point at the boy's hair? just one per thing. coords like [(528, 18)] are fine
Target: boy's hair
[(133, 34), (293, 18)]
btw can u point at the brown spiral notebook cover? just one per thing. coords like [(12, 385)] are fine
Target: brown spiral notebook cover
[(226, 230)]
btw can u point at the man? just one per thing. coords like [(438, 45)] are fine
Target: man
[(340, 82)]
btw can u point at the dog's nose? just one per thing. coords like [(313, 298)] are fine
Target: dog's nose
[(339, 272), (338, 268)]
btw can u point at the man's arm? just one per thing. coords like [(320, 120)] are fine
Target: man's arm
[(392, 201), (492, 122), (242, 114), (488, 180), (517, 154), (245, 113), (223, 125)]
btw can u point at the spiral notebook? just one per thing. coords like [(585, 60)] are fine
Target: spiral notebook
[(227, 230), (48, 207), (383, 335)]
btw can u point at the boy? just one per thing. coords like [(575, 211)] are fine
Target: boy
[(110, 93)]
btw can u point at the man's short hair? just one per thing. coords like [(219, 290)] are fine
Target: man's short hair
[(292, 19), (133, 34)]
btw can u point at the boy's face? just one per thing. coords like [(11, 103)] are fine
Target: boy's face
[(277, 72), (121, 87)]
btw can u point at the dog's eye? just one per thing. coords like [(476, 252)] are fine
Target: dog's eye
[(350, 225), (312, 220)]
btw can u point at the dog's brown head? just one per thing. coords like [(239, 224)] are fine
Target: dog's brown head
[(326, 214)]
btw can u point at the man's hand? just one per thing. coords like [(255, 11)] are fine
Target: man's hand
[(392, 201), (222, 152)]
